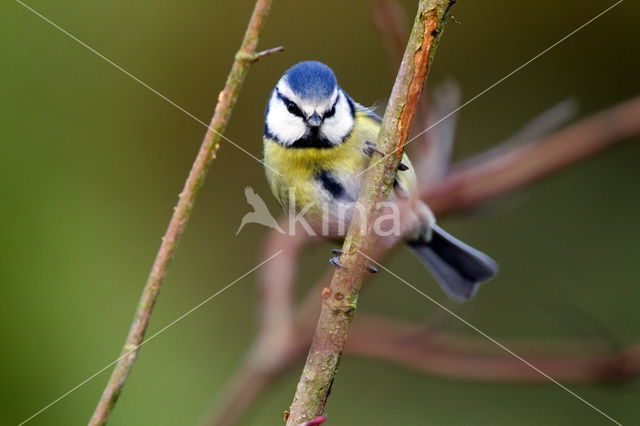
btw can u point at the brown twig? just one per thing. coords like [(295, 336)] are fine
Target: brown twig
[(480, 182), (277, 345), (391, 21), (339, 302), (226, 101), (444, 355), (256, 57), (431, 150)]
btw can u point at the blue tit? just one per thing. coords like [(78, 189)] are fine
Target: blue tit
[(317, 143)]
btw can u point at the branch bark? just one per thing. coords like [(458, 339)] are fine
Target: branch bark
[(340, 300), (480, 182), (182, 211), (463, 358)]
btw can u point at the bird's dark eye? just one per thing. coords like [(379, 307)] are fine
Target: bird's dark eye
[(293, 109), (331, 112)]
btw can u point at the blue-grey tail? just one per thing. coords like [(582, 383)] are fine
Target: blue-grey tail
[(459, 268)]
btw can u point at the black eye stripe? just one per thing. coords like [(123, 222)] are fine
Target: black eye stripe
[(291, 106), (295, 110), (332, 110)]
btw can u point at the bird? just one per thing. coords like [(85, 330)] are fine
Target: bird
[(260, 213), (318, 141)]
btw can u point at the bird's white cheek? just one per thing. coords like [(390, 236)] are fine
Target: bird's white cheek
[(338, 127), (286, 127)]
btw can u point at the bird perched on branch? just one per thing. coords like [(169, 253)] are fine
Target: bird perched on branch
[(317, 144)]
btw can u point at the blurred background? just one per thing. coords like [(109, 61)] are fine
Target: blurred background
[(91, 164)]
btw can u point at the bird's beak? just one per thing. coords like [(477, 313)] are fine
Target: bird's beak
[(315, 120)]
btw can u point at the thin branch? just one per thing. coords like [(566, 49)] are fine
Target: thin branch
[(256, 57), (443, 355), (339, 302), (545, 123), (247, 384), (480, 182), (538, 128), (392, 22), (226, 101), (431, 151), (277, 281)]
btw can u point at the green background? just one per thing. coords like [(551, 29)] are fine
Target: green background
[(91, 164)]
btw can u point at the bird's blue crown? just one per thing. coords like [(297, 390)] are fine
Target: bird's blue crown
[(311, 80)]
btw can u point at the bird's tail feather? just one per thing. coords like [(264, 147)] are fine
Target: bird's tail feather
[(459, 268)]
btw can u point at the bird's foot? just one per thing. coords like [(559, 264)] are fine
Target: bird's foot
[(370, 148), (335, 261)]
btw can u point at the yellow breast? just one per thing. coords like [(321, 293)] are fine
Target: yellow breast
[(297, 168)]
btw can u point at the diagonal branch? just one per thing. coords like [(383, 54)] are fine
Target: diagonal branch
[(392, 22), (340, 299), (463, 358), (182, 211), (479, 182)]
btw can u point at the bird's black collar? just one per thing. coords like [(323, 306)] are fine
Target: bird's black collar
[(312, 139)]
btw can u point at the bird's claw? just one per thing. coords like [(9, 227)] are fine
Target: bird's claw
[(403, 167), (335, 261), (370, 148)]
